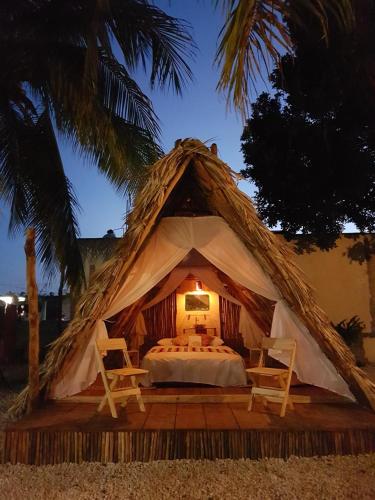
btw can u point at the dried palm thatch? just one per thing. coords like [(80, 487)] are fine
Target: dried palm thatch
[(217, 181)]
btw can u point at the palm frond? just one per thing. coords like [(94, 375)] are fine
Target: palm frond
[(58, 64), (12, 128), (118, 148), (121, 95), (53, 213), (139, 150), (39, 193), (256, 31), (144, 31)]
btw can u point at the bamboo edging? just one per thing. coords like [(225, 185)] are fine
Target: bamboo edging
[(53, 447)]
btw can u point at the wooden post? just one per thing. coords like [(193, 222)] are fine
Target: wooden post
[(213, 149), (32, 297)]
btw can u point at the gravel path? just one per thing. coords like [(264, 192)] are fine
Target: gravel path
[(297, 478)]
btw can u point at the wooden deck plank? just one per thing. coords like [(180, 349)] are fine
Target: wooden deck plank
[(53, 416), (207, 414), (214, 390), (219, 418), (161, 416), (63, 416), (335, 416), (129, 418), (74, 432), (160, 391), (190, 416), (257, 420)]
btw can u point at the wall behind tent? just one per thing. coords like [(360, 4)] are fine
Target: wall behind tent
[(187, 319), (342, 286)]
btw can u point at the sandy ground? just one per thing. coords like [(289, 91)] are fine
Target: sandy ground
[(297, 478)]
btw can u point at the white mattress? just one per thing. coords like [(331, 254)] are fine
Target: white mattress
[(219, 366)]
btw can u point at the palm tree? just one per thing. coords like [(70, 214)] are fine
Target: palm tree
[(60, 75), (256, 31)]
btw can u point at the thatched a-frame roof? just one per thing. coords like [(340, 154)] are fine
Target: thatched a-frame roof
[(218, 195)]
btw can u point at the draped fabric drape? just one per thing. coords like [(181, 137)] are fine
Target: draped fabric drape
[(211, 236), (229, 319), (160, 319)]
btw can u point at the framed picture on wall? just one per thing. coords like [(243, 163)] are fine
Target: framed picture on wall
[(195, 302)]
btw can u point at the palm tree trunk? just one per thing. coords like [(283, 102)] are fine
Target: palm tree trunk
[(32, 296)]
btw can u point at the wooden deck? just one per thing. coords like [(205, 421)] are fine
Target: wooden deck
[(73, 431)]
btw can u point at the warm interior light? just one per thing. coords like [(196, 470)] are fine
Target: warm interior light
[(198, 286)]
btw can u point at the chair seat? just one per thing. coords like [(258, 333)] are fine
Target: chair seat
[(267, 372), (125, 372), (268, 391)]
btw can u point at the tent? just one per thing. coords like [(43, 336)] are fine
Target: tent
[(191, 201)]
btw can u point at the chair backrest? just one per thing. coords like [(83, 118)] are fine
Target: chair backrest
[(111, 344), (288, 345), (279, 344), (104, 345)]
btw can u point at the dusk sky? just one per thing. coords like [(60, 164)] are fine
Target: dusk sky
[(201, 112)]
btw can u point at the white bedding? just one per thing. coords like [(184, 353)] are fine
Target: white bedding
[(219, 366)]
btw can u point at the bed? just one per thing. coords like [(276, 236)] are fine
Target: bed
[(220, 366)]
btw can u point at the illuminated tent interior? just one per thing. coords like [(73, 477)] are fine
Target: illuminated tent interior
[(192, 227), (196, 292)]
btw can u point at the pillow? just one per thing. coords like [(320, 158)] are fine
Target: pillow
[(206, 340), (165, 341), (181, 340), (216, 341), (195, 341)]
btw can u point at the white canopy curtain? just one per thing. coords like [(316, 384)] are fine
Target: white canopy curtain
[(248, 328), (173, 238)]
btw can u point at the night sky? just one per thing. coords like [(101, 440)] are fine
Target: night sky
[(201, 112)]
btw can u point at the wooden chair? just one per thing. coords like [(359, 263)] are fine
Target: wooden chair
[(280, 375), (112, 393)]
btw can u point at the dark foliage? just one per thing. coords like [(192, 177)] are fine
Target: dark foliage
[(350, 330), (310, 147)]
